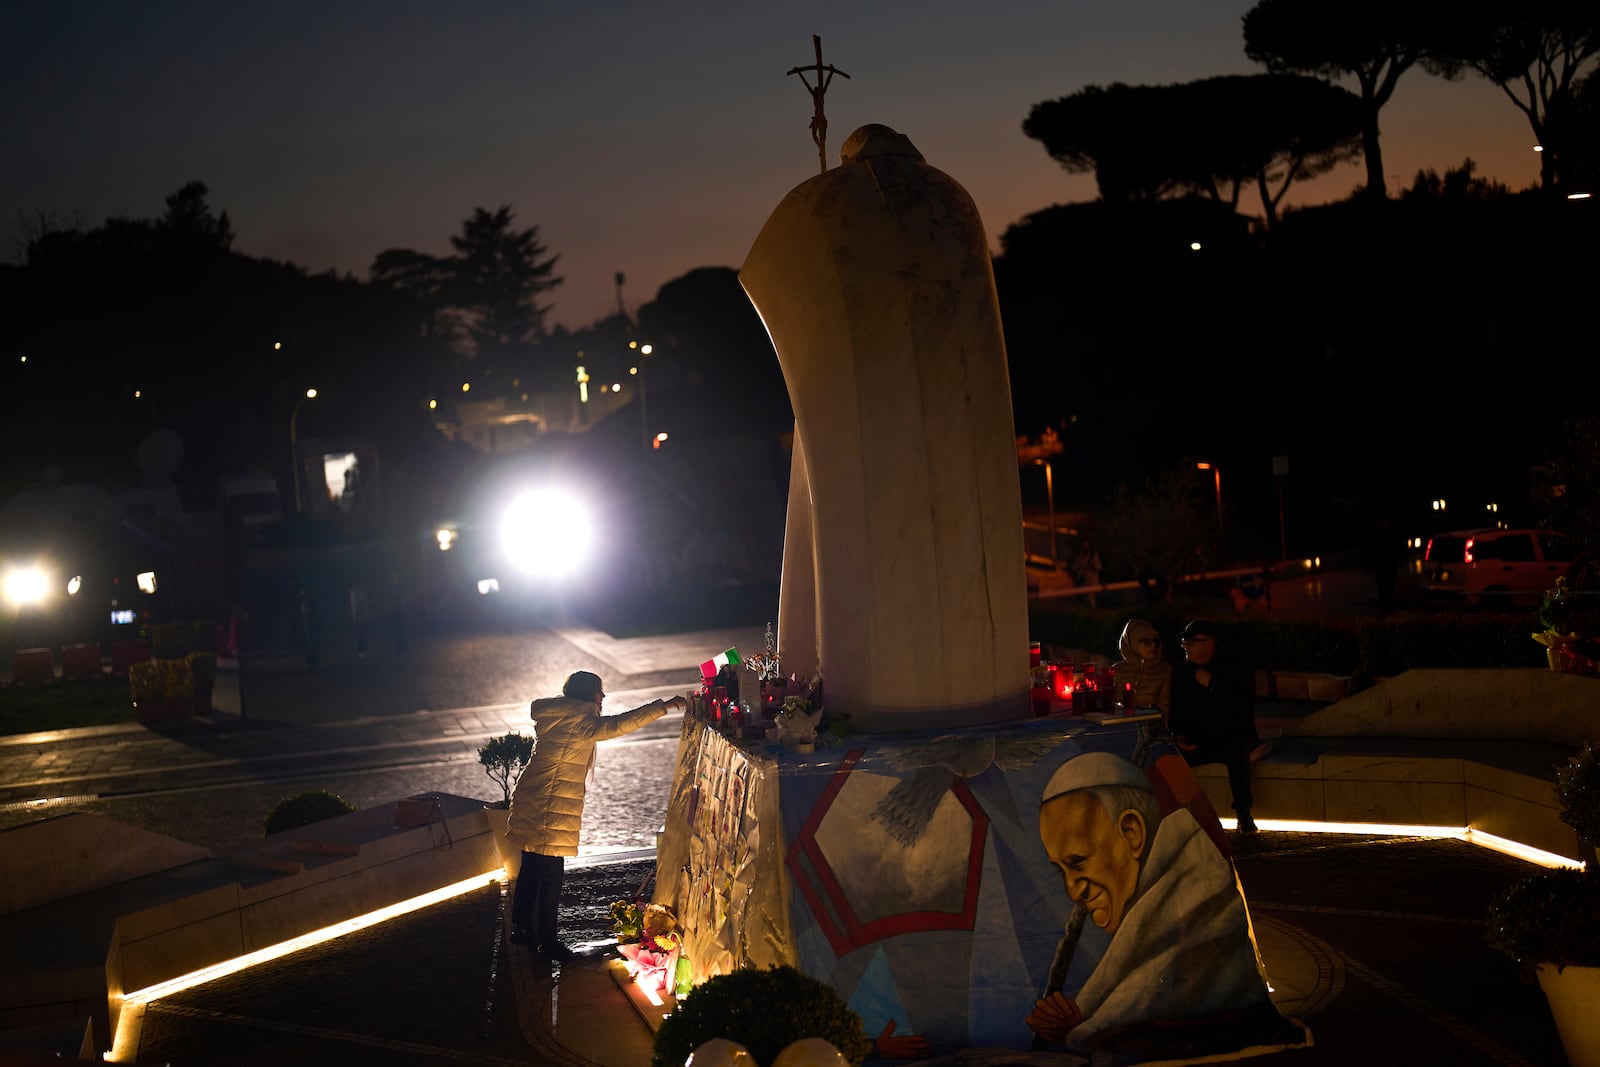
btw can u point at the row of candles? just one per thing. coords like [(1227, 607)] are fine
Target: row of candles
[(713, 703), (1093, 690)]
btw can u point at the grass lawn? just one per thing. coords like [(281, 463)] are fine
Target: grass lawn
[(28, 709)]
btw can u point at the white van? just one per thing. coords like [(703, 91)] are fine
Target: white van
[(1500, 569)]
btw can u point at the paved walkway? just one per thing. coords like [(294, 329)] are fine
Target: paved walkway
[(1376, 944)]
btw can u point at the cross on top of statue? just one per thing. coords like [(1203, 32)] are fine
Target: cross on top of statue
[(819, 122)]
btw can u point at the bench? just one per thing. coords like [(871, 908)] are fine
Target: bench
[(32, 665), (82, 661)]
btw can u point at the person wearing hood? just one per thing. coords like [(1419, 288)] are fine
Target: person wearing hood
[(547, 801), (1143, 665)]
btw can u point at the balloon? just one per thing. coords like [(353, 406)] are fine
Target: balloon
[(811, 1052), (720, 1052)]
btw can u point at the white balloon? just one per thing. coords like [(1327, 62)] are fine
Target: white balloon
[(811, 1052), (720, 1052)]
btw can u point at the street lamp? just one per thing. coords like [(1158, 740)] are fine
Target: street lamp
[(644, 417), (1216, 475), (294, 444)]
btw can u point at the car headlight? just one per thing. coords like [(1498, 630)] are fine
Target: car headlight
[(546, 532), (26, 585)]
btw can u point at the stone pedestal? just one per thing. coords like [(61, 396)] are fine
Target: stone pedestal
[(908, 871)]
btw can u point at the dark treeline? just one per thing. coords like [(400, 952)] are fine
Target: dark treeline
[(1394, 351)]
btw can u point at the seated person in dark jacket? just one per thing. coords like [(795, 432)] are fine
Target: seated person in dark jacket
[(1213, 712)]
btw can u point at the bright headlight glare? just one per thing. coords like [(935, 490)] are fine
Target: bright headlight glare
[(147, 581), (26, 585), (545, 532), (74, 584)]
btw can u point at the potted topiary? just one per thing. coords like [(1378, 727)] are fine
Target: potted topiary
[(503, 758), (1550, 921), (765, 1011)]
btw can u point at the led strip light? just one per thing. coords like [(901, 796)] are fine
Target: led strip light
[(127, 1037), (1458, 833)]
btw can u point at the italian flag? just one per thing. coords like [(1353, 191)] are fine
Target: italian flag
[(710, 667)]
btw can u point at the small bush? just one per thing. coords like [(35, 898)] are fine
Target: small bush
[(1578, 787), (763, 1010), (303, 809), (1549, 917), (161, 679)]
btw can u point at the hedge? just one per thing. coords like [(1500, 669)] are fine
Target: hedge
[(1379, 647)]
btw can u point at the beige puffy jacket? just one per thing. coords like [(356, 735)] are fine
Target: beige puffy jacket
[(547, 803), (1150, 674)]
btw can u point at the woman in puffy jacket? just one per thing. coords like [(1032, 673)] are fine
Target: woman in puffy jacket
[(1143, 664), (547, 802)]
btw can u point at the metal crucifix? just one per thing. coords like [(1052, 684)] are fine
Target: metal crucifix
[(819, 121)]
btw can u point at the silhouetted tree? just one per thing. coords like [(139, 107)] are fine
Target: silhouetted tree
[(1570, 480), (498, 278), (189, 227), (1456, 184), (1210, 137), (1158, 533), (1119, 133), (141, 324), (703, 325), (1375, 41), (1537, 52), (1576, 125), (487, 293)]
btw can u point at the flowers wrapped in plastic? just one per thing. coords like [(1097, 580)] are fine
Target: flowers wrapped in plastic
[(650, 944)]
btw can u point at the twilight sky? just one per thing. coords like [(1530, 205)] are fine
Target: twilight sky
[(642, 137)]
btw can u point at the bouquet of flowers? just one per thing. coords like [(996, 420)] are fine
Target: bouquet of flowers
[(627, 922), (649, 941), (796, 724)]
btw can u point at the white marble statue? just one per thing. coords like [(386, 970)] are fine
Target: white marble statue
[(903, 577)]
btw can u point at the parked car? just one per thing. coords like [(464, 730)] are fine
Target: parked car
[(1491, 568)]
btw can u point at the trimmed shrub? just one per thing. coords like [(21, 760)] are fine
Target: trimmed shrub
[(161, 679), (1326, 644), (763, 1010), (303, 809)]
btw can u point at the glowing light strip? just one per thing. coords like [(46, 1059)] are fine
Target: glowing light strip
[(1458, 833), (1521, 851), (315, 937)]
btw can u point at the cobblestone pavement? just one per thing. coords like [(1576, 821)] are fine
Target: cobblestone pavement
[(1381, 941), (370, 731), (1377, 944)]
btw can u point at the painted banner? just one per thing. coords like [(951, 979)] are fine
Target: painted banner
[(1049, 886)]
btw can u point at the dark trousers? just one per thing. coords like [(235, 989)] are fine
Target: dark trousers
[(1234, 752), (537, 898)]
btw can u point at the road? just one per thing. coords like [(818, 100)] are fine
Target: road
[(372, 730), (378, 728)]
